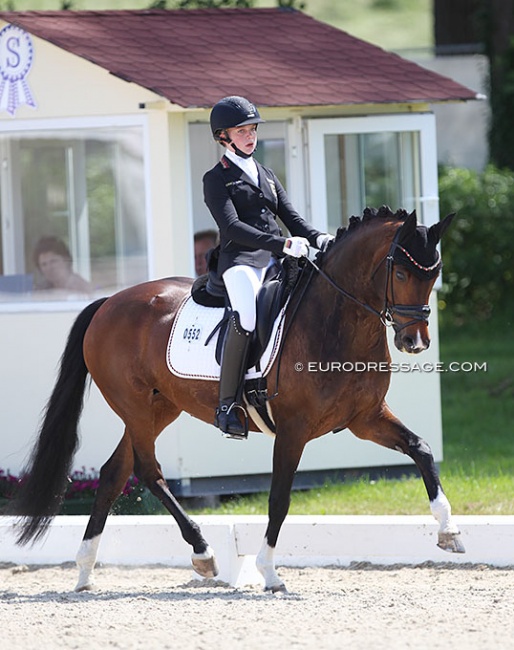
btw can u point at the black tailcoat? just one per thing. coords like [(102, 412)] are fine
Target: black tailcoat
[(246, 215)]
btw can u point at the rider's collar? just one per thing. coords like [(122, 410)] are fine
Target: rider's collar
[(248, 165)]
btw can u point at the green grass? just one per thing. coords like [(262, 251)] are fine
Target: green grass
[(478, 470), (391, 24)]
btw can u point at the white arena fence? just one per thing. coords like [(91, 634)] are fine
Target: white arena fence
[(304, 541)]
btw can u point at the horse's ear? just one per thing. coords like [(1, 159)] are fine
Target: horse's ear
[(408, 229), (438, 229)]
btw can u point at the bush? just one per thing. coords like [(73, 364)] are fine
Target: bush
[(478, 274)]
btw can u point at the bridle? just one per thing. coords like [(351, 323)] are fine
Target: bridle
[(416, 313)]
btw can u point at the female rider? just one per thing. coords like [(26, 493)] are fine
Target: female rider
[(245, 198)]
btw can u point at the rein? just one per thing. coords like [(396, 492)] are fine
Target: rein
[(416, 313)]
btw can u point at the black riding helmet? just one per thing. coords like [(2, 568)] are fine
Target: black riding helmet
[(230, 112)]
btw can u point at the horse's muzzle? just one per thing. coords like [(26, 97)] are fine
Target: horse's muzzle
[(412, 342)]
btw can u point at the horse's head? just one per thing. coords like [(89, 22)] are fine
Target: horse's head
[(389, 275), (413, 264)]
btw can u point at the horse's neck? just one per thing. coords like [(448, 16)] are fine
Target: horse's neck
[(334, 325), (338, 319), (354, 262)]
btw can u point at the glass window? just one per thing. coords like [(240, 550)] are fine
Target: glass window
[(370, 169), (271, 153), (72, 212)]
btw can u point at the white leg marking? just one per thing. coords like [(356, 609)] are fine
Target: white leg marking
[(266, 565), (448, 535), (442, 511), (86, 559), (208, 554)]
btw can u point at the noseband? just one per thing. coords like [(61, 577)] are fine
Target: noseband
[(416, 313)]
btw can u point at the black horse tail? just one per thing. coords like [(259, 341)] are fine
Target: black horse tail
[(44, 480)]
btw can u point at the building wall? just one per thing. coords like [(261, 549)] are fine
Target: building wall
[(462, 128)]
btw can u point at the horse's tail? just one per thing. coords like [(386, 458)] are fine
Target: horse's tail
[(44, 481)]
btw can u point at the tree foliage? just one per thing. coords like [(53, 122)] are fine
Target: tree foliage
[(478, 257), (497, 20)]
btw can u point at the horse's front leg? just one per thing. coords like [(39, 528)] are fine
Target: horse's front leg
[(286, 456), (388, 431)]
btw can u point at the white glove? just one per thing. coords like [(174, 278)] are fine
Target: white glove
[(322, 241), (296, 246)]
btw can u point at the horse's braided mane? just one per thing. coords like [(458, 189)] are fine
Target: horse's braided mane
[(370, 214)]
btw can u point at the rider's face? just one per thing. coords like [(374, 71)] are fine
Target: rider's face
[(244, 137)]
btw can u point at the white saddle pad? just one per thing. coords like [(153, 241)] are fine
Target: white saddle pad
[(189, 358)]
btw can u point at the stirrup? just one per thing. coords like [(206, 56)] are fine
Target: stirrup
[(226, 411)]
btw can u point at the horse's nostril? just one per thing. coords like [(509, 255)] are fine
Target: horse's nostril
[(413, 344)]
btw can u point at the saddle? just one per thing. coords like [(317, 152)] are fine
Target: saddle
[(209, 291)]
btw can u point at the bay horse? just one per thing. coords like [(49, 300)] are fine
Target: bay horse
[(379, 271)]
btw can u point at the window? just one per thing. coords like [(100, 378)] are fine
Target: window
[(370, 169), (271, 153), (77, 194), (356, 162)]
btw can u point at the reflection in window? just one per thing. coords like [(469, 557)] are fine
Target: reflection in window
[(271, 153), (370, 169), (84, 188)]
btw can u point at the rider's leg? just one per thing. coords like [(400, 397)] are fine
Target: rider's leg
[(242, 283)]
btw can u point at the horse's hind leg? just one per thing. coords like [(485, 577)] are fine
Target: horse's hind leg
[(388, 431), (148, 470), (113, 477)]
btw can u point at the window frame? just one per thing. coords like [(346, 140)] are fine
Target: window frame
[(422, 123), (82, 124)]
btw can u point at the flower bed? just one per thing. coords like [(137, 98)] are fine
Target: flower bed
[(81, 491)]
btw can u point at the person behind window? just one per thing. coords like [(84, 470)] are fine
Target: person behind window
[(204, 241), (245, 198), (53, 260)]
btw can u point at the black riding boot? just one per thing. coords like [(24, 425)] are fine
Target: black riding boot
[(231, 415)]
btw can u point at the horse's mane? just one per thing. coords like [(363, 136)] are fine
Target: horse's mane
[(370, 214)]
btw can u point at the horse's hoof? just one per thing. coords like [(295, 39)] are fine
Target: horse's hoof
[(276, 589), (86, 581), (451, 542), (205, 564)]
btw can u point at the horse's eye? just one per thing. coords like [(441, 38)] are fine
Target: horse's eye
[(400, 275)]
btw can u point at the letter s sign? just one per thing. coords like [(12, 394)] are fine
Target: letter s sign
[(16, 56), (13, 47)]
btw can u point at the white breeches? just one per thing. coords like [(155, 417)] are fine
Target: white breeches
[(242, 284)]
